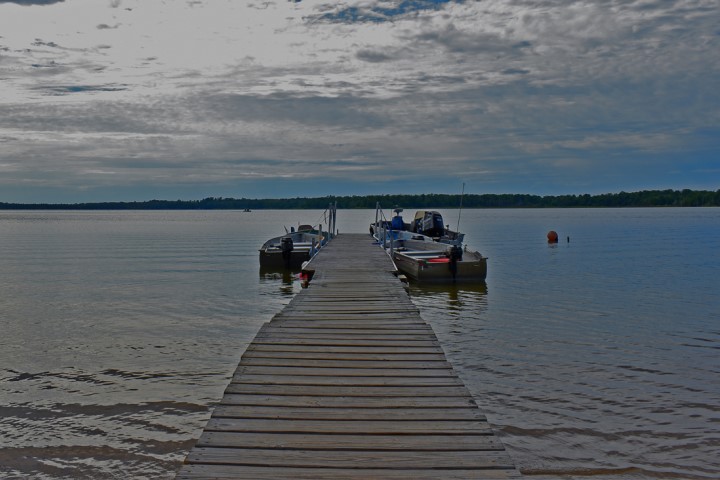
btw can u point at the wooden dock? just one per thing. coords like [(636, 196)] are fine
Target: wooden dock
[(347, 382)]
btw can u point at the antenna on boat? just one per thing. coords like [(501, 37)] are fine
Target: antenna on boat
[(460, 211)]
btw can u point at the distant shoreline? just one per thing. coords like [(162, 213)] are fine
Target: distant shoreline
[(645, 198)]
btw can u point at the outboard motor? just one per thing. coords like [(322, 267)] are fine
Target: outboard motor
[(286, 246), (455, 255), (430, 224)]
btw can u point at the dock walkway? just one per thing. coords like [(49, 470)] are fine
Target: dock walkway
[(347, 382)]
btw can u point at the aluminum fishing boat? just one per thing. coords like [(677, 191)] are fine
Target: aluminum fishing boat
[(299, 245), (289, 251), (427, 251)]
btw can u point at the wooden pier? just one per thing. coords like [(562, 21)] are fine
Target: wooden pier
[(347, 382)]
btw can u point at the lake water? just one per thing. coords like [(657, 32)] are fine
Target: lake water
[(597, 356)]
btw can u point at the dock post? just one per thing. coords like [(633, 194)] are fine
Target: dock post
[(392, 242)]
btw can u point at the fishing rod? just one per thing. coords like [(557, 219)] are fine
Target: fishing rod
[(460, 211)]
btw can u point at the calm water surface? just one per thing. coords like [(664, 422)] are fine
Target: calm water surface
[(598, 356)]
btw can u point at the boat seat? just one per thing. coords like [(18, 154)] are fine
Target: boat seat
[(423, 255)]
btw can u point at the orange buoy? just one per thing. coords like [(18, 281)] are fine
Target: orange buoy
[(552, 236)]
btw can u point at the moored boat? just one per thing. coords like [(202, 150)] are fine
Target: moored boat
[(425, 223), (296, 247), (423, 262), (289, 251), (427, 251)]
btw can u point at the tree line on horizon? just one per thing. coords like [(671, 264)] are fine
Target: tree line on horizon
[(645, 198)]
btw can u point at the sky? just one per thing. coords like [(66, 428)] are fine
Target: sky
[(131, 100)]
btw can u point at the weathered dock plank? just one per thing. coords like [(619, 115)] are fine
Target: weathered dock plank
[(201, 471), (357, 401), (329, 441), (347, 382), (329, 413), (374, 381), (377, 365), (354, 390), (359, 348), (284, 339), (357, 459), (358, 427), (332, 371), (360, 357)]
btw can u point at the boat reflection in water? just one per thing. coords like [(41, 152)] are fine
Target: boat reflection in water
[(288, 280), (458, 314), (449, 299)]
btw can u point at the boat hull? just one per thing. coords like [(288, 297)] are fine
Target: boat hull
[(438, 270), (275, 259), (303, 245)]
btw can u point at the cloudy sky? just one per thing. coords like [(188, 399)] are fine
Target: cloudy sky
[(113, 100)]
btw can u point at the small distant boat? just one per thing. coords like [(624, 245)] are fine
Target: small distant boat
[(427, 251), (291, 250), (247, 210)]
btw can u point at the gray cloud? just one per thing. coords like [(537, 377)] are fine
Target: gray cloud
[(515, 71), (41, 43), (373, 56), (68, 89), (32, 2), (261, 6), (456, 40), (347, 112)]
